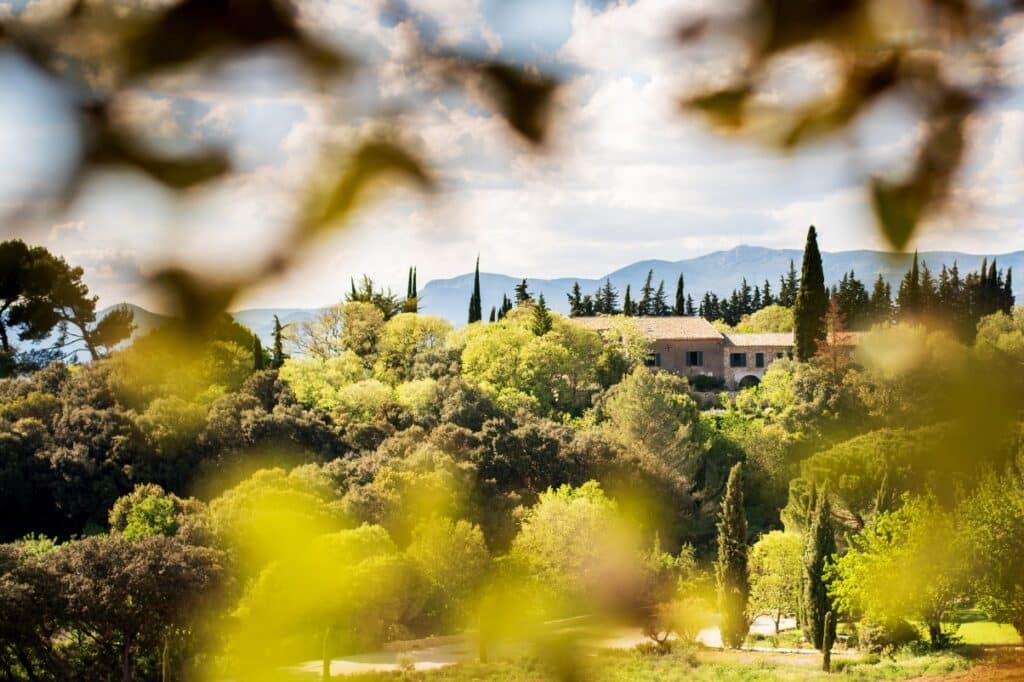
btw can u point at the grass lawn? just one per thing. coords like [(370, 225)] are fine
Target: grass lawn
[(975, 628), (699, 666), (987, 632)]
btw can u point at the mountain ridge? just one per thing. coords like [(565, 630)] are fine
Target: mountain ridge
[(719, 272)]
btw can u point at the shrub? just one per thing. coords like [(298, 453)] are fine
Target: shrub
[(885, 637), (705, 383)]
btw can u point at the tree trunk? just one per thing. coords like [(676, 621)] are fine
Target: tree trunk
[(778, 619), (325, 668), (126, 661), (165, 659), (26, 663), (935, 634)]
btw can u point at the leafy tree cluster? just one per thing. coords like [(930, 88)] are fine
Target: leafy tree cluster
[(958, 302), (652, 301), (44, 301), (742, 302)]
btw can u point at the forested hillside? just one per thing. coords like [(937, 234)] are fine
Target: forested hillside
[(399, 471)]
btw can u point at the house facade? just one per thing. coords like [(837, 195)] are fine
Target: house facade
[(692, 346)]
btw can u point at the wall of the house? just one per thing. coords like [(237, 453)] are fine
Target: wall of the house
[(733, 375), (673, 355)]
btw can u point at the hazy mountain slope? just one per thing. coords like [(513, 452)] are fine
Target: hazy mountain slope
[(719, 272)]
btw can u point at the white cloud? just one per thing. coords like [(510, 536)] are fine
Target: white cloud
[(629, 177)]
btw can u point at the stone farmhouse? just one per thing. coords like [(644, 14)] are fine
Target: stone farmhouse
[(692, 346)]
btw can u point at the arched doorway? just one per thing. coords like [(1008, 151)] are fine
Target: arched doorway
[(748, 381)]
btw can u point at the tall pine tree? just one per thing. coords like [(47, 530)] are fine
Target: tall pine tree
[(788, 286), (522, 293), (575, 301), (475, 305), (820, 545), (659, 306), (541, 317), (811, 301), (607, 299), (733, 580), (645, 305)]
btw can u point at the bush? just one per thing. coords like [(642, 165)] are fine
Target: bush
[(878, 637), (705, 383)]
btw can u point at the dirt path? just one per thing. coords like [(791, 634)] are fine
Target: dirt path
[(435, 653)]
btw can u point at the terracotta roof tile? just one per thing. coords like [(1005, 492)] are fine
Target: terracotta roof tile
[(658, 327), (768, 339)]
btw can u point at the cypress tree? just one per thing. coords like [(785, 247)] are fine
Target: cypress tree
[(811, 301), (277, 356), (258, 361), (690, 309), (494, 314), (1008, 298), (541, 317), (680, 306), (627, 303), (731, 567), (819, 548), (475, 308), (411, 303), (826, 645)]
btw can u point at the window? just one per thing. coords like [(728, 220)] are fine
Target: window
[(737, 359), (758, 359), (653, 360), (695, 358), (779, 356)]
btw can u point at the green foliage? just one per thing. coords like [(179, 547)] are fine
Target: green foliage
[(653, 416), (453, 558), (908, 563), (993, 529), (323, 382), (147, 510), (541, 317), (731, 569), (408, 345), (574, 541), (549, 374), (773, 318), (775, 575)]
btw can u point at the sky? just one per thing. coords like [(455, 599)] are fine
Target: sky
[(628, 177)]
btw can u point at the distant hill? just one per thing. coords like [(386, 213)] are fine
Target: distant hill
[(719, 272)]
